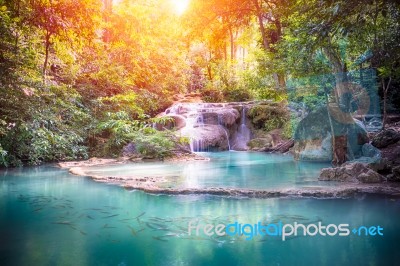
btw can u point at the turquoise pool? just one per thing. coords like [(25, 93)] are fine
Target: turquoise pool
[(49, 217), (226, 169)]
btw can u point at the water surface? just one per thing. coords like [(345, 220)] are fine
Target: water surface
[(226, 169), (49, 217)]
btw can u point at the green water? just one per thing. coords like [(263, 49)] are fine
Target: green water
[(49, 217), (226, 169)]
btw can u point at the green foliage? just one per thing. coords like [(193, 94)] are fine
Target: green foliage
[(151, 143), (289, 127), (118, 129), (237, 94), (271, 94), (114, 69), (269, 116), (3, 154), (226, 86), (211, 94), (125, 104), (54, 129)]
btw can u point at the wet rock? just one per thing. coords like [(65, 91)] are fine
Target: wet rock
[(208, 137), (351, 172), (386, 138)]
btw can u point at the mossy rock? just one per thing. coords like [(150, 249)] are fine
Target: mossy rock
[(260, 143)]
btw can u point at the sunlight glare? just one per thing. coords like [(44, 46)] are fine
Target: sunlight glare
[(180, 6)]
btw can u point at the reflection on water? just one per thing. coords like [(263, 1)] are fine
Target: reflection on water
[(226, 169), (48, 217)]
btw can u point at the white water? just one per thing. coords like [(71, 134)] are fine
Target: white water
[(226, 131), (194, 116), (243, 134)]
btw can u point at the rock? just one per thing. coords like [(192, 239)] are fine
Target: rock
[(261, 143), (314, 150), (396, 173), (369, 150), (129, 150), (220, 126), (386, 138), (282, 147), (208, 137), (313, 136), (351, 172)]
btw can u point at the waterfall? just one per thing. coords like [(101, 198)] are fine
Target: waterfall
[(194, 119), (211, 126), (226, 131), (197, 145), (243, 134)]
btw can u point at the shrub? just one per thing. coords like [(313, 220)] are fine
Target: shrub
[(211, 94), (151, 143)]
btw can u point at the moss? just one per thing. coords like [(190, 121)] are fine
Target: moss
[(269, 116), (290, 127)]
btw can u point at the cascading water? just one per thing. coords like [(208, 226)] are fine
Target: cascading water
[(226, 131), (243, 134), (194, 119), (197, 144), (211, 126)]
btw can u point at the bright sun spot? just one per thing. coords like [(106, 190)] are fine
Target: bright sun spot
[(180, 6)]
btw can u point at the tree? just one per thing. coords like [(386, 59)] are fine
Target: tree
[(62, 20), (340, 31)]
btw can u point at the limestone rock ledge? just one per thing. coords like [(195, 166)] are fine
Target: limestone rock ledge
[(351, 172)]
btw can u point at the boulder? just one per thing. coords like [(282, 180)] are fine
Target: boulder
[(214, 137), (368, 150), (351, 172), (386, 138), (314, 149), (129, 150), (396, 173), (313, 141)]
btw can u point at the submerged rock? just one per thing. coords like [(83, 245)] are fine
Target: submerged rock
[(351, 172)]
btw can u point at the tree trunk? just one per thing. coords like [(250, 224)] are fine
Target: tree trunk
[(340, 150), (107, 14), (385, 91), (281, 81), (339, 143), (261, 25), (232, 43), (46, 56), (338, 71), (278, 77), (16, 32)]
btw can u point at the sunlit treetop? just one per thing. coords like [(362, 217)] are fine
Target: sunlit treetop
[(180, 6), (177, 6)]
